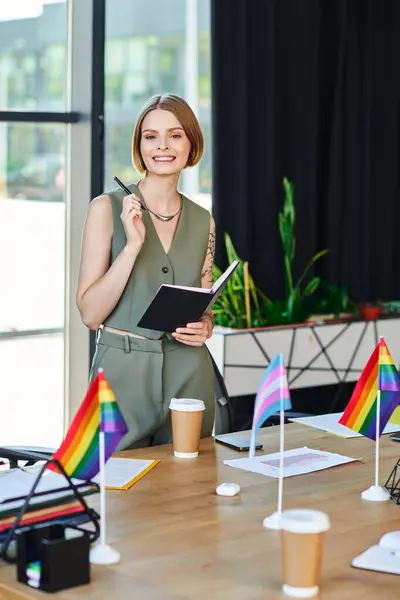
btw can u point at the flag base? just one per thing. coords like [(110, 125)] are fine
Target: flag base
[(103, 554), (376, 493), (272, 521)]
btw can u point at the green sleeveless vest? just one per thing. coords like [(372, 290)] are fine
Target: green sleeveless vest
[(181, 266)]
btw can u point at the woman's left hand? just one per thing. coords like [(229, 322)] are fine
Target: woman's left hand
[(194, 334)]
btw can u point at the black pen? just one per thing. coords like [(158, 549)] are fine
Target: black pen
[(127, 190)]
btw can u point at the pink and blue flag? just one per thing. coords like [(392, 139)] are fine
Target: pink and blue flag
[(272, 396)]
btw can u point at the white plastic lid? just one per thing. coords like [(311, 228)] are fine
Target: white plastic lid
[(187, 404), (304, 521)]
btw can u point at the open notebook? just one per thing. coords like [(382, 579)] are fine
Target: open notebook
[(122, 473), (384, 557), (175, 306)]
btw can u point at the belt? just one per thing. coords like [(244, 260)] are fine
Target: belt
[(118, 332), (128, 343)]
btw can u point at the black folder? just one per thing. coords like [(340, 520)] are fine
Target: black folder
[(175, 306)]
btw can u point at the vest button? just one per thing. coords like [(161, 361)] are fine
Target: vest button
[(165, 269)]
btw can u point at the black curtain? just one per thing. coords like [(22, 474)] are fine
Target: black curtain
[(309, 89)]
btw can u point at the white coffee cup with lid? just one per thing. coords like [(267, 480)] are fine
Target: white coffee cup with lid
[(187, 418), (302, 534)]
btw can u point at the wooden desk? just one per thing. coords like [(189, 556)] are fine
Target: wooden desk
[(179, 540)]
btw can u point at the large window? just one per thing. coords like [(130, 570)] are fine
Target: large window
[(51, 162), (157, 47), (36, 133)]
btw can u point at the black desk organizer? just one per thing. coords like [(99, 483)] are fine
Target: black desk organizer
[(393, 483), (64, 559)]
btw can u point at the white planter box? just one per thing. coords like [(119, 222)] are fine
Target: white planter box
[(315, 354)]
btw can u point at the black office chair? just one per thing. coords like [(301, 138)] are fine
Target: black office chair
[(224, 415)]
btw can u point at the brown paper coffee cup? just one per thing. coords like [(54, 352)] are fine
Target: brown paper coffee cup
[(187, 418), (303, 533)]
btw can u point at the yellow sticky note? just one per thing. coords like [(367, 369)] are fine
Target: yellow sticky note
[(395, 418)]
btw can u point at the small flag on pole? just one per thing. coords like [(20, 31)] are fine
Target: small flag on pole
[(379, 374), (272, 395), (79, 452), (371, 405)]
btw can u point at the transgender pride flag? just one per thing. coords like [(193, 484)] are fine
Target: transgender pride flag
[(272, 395)]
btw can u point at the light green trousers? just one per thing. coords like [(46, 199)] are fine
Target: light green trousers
[(145, 374)]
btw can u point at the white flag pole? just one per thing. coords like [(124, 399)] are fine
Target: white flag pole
[(378, 418), (281, 450), (103, 518), (102, 553), (376, 493), (252, 442), (274, 521)]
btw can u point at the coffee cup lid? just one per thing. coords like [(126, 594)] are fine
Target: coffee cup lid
[(187, 404), (304, 521)]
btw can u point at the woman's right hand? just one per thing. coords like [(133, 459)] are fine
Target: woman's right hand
[(131, 218)]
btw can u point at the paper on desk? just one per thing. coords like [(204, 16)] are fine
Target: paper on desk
[(295, 462), (122, 473), (17, 483), (330, 424)]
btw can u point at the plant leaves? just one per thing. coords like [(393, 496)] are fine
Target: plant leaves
[(312, 286), (230, 249), (314, 259), (291, 302), (286, 233), (286, 223), (288, 203), (216, 272)]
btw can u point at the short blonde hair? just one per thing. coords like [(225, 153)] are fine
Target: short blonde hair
[(186, 117)]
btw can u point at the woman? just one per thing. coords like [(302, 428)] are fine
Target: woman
[(127, 253)]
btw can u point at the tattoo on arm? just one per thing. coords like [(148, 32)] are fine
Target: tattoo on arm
[(207, 269)]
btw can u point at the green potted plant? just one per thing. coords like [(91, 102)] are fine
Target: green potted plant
[(243, 305)]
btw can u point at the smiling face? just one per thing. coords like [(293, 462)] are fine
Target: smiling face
[(164, 145)]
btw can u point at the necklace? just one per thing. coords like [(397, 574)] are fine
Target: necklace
[(163, 217), (157, 215)]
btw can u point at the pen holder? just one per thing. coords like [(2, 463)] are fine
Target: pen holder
[(53, 557)]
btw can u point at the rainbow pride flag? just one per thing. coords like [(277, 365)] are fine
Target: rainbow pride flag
[(79, 452), (379, 374), (272, 395)]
